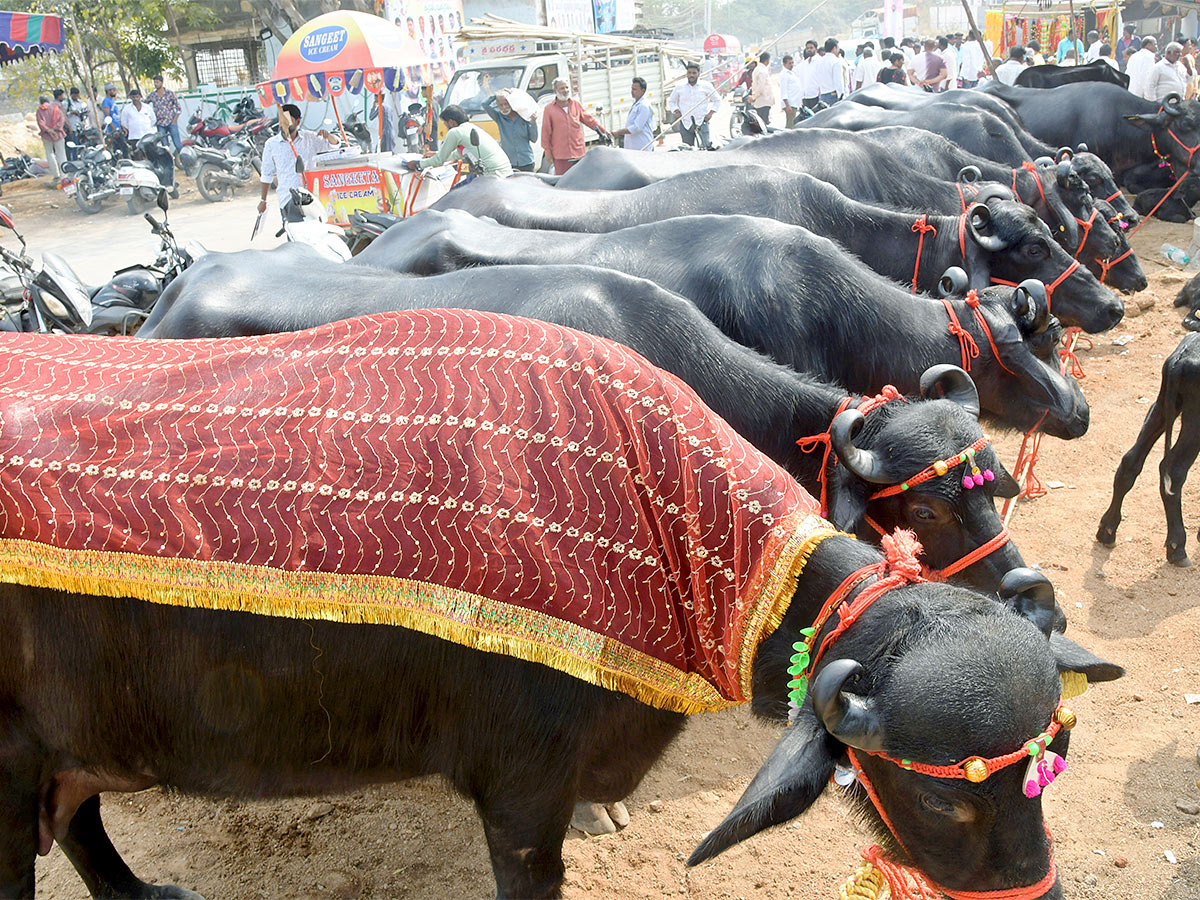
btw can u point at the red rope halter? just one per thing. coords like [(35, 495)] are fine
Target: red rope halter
[(921, 226), (1050, 288), (967, 345), (1191, 151), (1037, 179)]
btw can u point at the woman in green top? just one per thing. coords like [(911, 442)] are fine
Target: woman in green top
[(458, 143)]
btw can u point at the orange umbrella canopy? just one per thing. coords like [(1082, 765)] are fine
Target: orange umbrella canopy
[(343, 40)]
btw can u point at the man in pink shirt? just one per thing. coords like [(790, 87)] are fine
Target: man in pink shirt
[(562, 136)]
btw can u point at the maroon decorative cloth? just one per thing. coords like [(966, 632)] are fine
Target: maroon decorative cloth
[(504, 483)]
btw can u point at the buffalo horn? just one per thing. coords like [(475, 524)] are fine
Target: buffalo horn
[(1063, 153), (994, 192), (862, 463), (1082, 148), (1172, 104), (953, 283), (850, 718), (1043, 161), (979, 223), (1062, 174), (951, 383), (1031, 595), (969, 175), (1031, 305)]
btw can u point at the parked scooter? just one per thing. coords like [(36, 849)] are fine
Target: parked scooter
[(313, 230), (16, 168), (365, 227), (121, 306), (357, 129), (92, 178), (222, 171), (55, 300), (411, 128), (139, 180)]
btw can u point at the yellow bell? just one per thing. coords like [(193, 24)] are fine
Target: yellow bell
[(1064, 717), (940, 468), (976, 770)]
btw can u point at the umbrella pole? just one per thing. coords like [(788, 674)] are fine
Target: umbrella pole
[(338, 116), (379, 96)]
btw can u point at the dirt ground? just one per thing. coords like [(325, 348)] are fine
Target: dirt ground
[(1119, 819)]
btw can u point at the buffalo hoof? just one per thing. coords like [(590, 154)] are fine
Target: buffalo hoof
[(168, 892), (1191, 322), (596, 818), (1177, 556), (1106, 536)]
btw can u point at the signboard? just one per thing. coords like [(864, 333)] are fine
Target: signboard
[(347, 190), (432, 24), (614, 15), (571, 15)]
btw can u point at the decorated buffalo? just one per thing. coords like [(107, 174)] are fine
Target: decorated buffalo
[(856, 331), (547, 551), (1178, 399), (915, 249), (1129, 133)]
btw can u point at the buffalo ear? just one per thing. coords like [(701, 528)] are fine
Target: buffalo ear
[(788, 783), (1030, 595), (1005, 485), (847, 500), (1144, 122), (1070, 657)]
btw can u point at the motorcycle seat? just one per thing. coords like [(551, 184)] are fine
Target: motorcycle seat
[(383, 220)]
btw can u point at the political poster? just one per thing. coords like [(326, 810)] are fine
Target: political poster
[(614, 15), (433, 24)]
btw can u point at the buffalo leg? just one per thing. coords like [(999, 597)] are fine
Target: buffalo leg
[(19, 802), (525, 825), (98, 863), (1129, 469), (1173, 473)]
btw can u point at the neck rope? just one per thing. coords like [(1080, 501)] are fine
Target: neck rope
[(1165, 160), (975, 477), (966, 342), (1031, 168), (1117, 221), (899, 567)]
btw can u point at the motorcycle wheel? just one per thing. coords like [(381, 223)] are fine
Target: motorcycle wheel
[(138, 204), (84, 200), (210, 189)]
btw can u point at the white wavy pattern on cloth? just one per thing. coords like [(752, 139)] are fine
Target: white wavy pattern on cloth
[(509, 459)]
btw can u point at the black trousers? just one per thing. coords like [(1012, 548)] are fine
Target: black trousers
[(810, 102), (528, 167)]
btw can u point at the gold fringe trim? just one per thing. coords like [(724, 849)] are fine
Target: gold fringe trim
[(1073, 684), (867, 883), (459, 616)]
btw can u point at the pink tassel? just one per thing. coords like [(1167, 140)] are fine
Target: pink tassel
[(968, 482), (1032, 789), (978, 479), (1060, 764), (989, 475)]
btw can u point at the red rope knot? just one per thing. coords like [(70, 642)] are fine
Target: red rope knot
[(966, 343), (901, 563), (886, 395), (903, 882), (1068, 361), (921, 227)]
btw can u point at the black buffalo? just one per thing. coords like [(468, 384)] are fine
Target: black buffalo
[(999, 235), (1178, 398), (1052, 76), (854, 329)]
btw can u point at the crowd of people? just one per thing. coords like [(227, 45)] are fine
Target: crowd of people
[(63, 120)]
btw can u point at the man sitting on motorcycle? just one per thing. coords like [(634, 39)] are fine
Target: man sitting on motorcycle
[(484, 155), (286, 156)]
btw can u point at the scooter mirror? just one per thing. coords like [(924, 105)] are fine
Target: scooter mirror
[(162, 201), (108, 120), (6, 218)]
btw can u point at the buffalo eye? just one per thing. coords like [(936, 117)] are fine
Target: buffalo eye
[(1034, 250), (959, 812), (928, 511)]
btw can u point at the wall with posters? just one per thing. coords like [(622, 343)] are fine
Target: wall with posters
[(571, 15), (432, 24)]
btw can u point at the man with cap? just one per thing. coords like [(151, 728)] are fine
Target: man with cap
[(112, 120), (285, 158)]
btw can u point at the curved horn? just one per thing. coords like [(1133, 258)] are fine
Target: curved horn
[(1063, 153), (862, 463), (1172, 103), (979, 224), (953, 283), (950, 383), (851, 719), (968, 175), (1062, 173), (1031, 595), (1043, 161), (1082, 148), (1031, 305), (994, 192)]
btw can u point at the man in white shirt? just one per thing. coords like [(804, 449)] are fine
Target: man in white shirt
[(136, 119), (972, 64), (831, 81), (284, 159), (762, 91), (1167, 76), (950, 57), (868, 68), (1093, 50), (639, 124), (928, 70), (791, 90), (1008, 70), (807, 69), (694, 102), (1139, 67)]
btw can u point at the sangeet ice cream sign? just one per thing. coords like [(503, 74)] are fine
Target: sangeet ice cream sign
[(324, 44)]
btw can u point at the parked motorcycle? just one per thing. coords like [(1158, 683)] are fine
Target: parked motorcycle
[(219, 172), (411, 127), (364, 227), (140, 179), (16, 168), (313, 230), (55, 300), (92, 176), (357, 129)]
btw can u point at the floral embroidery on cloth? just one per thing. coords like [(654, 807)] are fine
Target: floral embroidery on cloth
[(503, 483)]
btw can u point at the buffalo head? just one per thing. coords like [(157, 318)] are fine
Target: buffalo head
[(1176, 128), (1100, 181), (893, 444), (1025, 385), (935, 675), (1109, 241), (1018, 245)]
